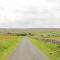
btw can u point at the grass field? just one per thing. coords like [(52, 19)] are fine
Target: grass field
[(47, 42), (8, 44), (52, 50)]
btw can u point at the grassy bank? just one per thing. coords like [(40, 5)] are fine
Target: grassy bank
[(8, 44), (51, 50)]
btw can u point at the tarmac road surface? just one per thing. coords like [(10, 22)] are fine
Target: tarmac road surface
[(27, 51)]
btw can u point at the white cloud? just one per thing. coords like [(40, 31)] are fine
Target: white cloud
[(30, 13)]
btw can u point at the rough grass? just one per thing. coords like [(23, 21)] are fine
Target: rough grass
[(8, 45), (51, 50)]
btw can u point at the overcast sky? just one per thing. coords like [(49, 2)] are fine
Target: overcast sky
[(29, 13)]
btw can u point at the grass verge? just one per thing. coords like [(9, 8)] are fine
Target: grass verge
[(51, 50), (7, 45)]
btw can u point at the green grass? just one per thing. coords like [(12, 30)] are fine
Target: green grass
[(51, 50), (7, 45)]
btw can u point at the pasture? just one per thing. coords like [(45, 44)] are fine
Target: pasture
[(48, 42), (8, 43)]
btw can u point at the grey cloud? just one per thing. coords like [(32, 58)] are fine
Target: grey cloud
[(53, 0), (15, 11), (33, 10), (33, 17), (44, 11), (2, 8)]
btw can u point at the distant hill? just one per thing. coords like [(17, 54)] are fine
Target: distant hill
[(20, 30)]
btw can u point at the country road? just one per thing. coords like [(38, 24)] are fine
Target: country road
[(27, 51)]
